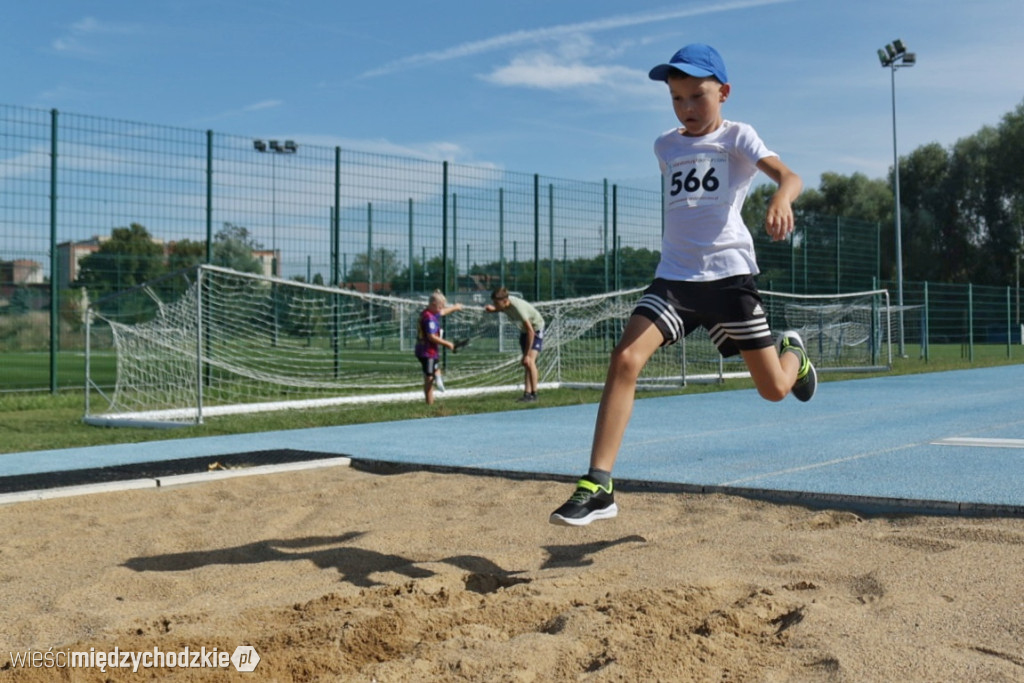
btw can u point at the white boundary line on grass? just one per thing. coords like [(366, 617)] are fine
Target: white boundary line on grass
[(170, 480)]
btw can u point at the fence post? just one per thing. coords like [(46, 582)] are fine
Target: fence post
[(444, 226), (970, 322), (501, 236), (455, 244), (199, 343), (792, 259), (336, 263), (369, 248), (615, 236), (604, 235), (54, 260), (412, 276), (209, 196), (607, 336), (551, 235), (1009, 324), (839, 259), (536, 237), (336, 223), (924, 324)]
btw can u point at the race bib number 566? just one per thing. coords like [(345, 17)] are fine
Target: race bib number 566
[(697, 180)]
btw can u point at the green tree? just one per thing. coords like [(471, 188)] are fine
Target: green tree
[(383, 267), (853, 196), (1003, 205), (185, 254), (233, 247), (24, 299), (129, 258), (935, 246)]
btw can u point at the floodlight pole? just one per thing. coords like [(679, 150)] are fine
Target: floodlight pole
[(895, 56), (289, 147), (274, 146)]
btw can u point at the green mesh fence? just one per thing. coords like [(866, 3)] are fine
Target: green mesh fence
[(72, 185)]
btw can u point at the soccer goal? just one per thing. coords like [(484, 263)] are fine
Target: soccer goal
[(211, 341)]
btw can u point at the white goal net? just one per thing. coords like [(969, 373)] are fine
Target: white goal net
[(212, 341)]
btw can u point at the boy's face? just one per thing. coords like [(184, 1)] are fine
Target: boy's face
[(501, 303), (697, 103)]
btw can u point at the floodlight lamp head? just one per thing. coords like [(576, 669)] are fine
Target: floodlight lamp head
[(900, 47), (909, 59), (890, 50), (275, 145), (259, 145), (883, 58), (290, 146)]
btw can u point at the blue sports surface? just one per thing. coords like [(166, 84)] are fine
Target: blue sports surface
[(936, 443)]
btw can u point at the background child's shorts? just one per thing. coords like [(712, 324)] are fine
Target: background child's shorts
[(538, 341), (429, 365)]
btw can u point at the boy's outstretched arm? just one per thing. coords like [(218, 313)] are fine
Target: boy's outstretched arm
[(451, 309), (779, 220)]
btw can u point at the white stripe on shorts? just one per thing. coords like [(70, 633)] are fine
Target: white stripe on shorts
[(748, 329), (665, 313)]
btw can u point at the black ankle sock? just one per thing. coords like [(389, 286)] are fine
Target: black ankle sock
[(600, 477)]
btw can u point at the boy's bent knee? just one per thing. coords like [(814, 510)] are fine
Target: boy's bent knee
[(773, 393), (626, 360)]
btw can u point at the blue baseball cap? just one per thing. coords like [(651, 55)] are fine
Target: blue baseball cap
[(696, 59)]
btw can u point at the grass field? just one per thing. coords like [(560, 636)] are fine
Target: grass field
[(30, 370), (31, 421)]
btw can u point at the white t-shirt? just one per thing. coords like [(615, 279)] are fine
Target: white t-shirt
[(706, 181)]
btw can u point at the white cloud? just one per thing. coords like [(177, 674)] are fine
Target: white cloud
[(546, 72), (550, 33), (265, 104), (577, 63), (77, 40)]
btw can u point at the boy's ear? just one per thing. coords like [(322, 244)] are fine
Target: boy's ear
[(723, 92)]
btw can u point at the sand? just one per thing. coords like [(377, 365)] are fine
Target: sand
[(344, 575)]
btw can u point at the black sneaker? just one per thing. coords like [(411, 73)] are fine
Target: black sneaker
[(807, 377), (590, 501), (527, 398)]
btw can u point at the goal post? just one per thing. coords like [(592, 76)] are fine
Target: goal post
[(210, 341)]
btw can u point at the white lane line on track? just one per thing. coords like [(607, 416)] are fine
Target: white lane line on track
[(980, 442)]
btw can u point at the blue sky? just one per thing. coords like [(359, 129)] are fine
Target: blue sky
[(557, 87)]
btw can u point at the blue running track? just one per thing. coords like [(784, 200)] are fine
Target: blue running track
[(937, 443)]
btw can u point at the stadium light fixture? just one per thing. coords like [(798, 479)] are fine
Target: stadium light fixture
[(286, 147), (895, 56)]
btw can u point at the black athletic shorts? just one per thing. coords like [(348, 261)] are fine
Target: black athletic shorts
[(429, 365), (729, 309)]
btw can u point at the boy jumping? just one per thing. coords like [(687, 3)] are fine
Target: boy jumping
[(705, 277)]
